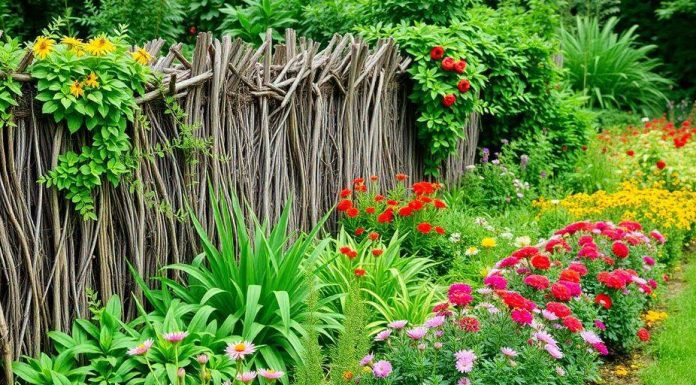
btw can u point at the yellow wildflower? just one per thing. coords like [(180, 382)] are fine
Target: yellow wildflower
[(652, 317), (100, 46), (91, 80), (621, 371), (43, 46), (141, 56), (76, 89), (71, 42), (488, 242)]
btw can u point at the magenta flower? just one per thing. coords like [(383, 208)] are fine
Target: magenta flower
[(383, 335), (246, 377), (496, 282), (417, 333), (382, 369), (367, 359), (239, 350), (600, 325), (141, 349), (175, 337), (271, 374), (522, 316)]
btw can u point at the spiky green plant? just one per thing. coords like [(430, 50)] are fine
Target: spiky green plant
[(394, 287), (257, 278), (612, 69)]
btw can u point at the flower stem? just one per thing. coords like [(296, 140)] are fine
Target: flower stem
[(152, 371)]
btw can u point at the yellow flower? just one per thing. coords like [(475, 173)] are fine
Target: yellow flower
[(484, 271), (100, 46), (621, 371), (43, 46), (91, 80), (76, 89), (71, 42), (488, 242), (141, 56)]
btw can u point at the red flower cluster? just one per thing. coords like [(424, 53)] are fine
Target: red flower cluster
[(451, 65)]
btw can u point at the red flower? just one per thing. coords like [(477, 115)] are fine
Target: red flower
[(415, 205), (379, 198), (463, 85), (448, 64), (405, 211), (439, 204), (373, 236), (619, 249), (352, 212), (558, 309), (460, 66), (359, 272), (469, 324), (359, 231), (573, 324), (401, 177), (192, 30), (374, 178), (439, 230), (344, 205), (345, 192), (630, 152), (643, 334), (579, 268), (441, 308), (348, 252), (377, 252), (514, 300), (386, 217), (522, 316), (459, 294), (360, 187), (424, 227), (392, 202), (525, 252), (424, 188), (661, 164), (561, 292), (437, 52), (448, 100), (370, 210), (536, 281), (569, 275), (541, 262)]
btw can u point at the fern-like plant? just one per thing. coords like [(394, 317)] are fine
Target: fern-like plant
[(612, 69)]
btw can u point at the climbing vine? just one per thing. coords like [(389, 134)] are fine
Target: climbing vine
[(90, 86), (10, 55)]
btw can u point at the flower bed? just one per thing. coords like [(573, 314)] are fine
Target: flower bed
[(546, 314)]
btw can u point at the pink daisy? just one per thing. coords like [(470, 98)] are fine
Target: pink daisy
[(382, 369), (398, 324), (175, 337), (246, 377), (383, 335), (417, 333), (271, 374), (239, 350), (141, 349)]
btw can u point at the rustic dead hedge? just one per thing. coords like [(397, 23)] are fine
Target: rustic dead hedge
[(283, 121)]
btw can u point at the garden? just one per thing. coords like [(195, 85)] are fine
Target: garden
[(330, 192)]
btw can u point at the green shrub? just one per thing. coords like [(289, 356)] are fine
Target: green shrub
[(611, 69)]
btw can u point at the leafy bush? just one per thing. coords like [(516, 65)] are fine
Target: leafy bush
[(10, 89), (611, 69), (251, 21), (256, 279)]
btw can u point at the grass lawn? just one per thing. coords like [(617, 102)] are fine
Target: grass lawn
[(674, 346)]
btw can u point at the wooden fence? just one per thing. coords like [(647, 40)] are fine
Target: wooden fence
[(292, 120)]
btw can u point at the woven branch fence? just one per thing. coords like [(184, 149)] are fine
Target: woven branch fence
[(292, 120)]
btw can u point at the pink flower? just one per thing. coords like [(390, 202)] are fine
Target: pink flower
[(271, 374), (464, 381), (181, 372), (175, 337), (246, 377), (658, 236), (522, 316), (649, 260), (459, 294), (382, 369), (465, 360), (545, 338), (367, 359), (141, 349), (398, 324), (508, 352), (600, 325), (202, 359), (434, 322), (590, 337), (417, 333), (383, 335), (549, 315), (554, 351), (496, 282), (239, 350), (601, 348)]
